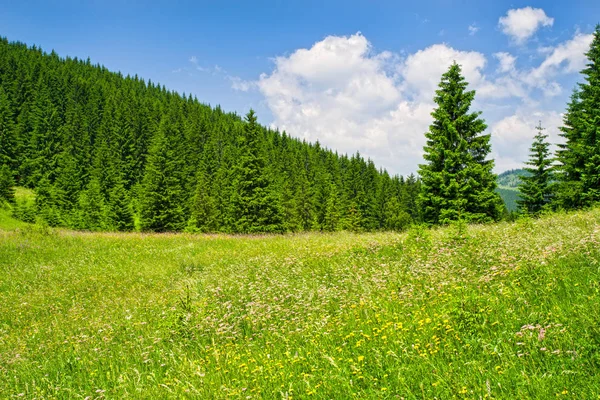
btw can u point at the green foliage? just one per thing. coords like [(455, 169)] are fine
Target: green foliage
[(511, 178), (74, 131), (203, 210), (579, 156), (120, 209), (7, 183), (93, 213), (536, 189), (24, 211), (509, 196), (162, 195), (256, 206), (457, 182), (396, 218)]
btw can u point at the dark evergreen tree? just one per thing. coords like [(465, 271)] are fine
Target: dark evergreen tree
[(536, 187), (579, 156), (161, 198), (256, 207), (332, 211), (395, 217), (45, 203), (92, 209), (8, 140), (203, 209), (457, 181), (119, 208), (7, 183)]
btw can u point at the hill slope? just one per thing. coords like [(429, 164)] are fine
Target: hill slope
[(104, 151), (508, 183), (503, 311)]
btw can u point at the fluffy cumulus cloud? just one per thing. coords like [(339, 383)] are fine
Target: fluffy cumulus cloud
[(567, 57), (350, 98), (521, 23)]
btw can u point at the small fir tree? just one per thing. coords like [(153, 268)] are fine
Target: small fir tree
[(536, 189)]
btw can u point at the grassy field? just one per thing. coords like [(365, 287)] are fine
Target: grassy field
[(507, 311)]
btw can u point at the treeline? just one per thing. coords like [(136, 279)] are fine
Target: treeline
[(569, 179), (107, 152)]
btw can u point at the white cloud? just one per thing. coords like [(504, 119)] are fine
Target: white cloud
[(520, 24), (422, 71), (512, 136), (473, 29), (567, 57), (350, 97), (238, 83), (507, 62)]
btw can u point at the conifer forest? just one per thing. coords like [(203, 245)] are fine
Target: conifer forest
[(108, 152), (153, 246)]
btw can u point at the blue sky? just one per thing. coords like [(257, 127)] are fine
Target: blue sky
[(355, 75)]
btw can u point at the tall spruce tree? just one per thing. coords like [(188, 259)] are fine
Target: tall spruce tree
[(457, 181), (8, 140), (536, 189), (256, 207), (579, 156), (7, 191), (161, 198)]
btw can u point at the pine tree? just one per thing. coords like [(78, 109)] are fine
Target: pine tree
[(396, 219), (119, 208), (579, 156), (161, 207), (203, 209), (536, 189), (332, 211), (457, 182), (92, 208), (45, 203), (8, 140), (7, 191), (256, 207)]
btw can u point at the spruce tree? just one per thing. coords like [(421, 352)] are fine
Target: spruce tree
[(8, 140), (457, 181), (92, 208), (203, 209), (579, 156), (331, 222), (7, 191), (160, 203), (119, 208), (256, 206), (536, 189)]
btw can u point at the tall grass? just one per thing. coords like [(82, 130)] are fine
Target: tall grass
[(504, 311)]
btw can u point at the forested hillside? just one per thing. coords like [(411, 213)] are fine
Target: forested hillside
[(108, 152), (511, 178)]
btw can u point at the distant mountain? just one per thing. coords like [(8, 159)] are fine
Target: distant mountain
[(511, 178), (508, 183)]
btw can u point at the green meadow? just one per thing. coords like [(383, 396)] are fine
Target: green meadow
[(502, 311)]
